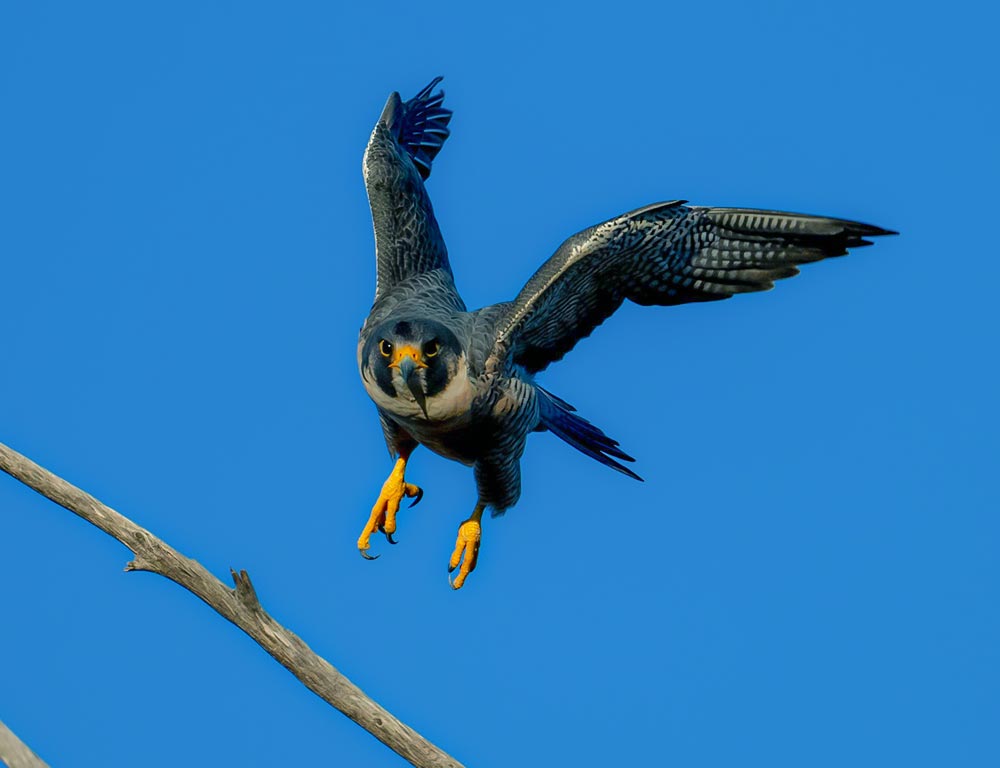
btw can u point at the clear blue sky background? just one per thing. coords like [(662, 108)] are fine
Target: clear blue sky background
[(809, 574)]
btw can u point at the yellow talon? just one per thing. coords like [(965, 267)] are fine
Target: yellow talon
[(466, 548), (383, 516)]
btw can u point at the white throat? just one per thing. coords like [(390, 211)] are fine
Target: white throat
[(453, 403)]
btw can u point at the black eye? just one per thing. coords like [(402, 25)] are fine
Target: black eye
[(431, 348), (385, 348)]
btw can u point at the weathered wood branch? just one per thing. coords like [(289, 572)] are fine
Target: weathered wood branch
[(14, 753), (239, 605)]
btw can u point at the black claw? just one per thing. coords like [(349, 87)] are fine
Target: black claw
[(391, 540), (450, 569), (419, 496), (366, 556)]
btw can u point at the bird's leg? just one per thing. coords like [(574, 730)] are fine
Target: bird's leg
[(383, 516), (466, 547)]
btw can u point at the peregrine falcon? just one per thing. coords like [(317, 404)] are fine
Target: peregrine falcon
[(463, 383)]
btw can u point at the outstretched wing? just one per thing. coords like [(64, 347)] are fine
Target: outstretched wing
[(667, 253), (398, 158)]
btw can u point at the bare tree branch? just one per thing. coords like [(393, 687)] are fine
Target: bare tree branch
[(14, 753), (239, 605)]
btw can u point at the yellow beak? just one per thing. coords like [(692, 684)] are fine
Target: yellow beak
[(408, 351)]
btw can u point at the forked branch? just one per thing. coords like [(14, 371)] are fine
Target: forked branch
[(239, 605)]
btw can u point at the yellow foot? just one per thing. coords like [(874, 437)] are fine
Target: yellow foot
[(466, 548), (383, 516)]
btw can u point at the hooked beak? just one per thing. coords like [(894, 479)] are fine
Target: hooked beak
[(407, 368)]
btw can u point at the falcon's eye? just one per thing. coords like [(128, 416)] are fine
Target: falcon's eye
[(385, 348), (431, 348)]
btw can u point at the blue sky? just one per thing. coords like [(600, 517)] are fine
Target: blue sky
[(809, 574)]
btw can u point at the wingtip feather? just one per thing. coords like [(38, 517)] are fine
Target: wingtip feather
[(420, 125)]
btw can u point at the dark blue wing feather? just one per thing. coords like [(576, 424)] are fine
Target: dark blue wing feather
[(423, 127), (667, 253)]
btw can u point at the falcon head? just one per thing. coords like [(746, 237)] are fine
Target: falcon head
[(412, 362)]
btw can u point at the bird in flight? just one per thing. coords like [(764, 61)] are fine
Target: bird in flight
[(463, 383)]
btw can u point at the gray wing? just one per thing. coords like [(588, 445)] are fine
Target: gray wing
[(398, 158), (664, 254)]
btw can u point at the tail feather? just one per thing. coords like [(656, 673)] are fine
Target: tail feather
[(558, 418)]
